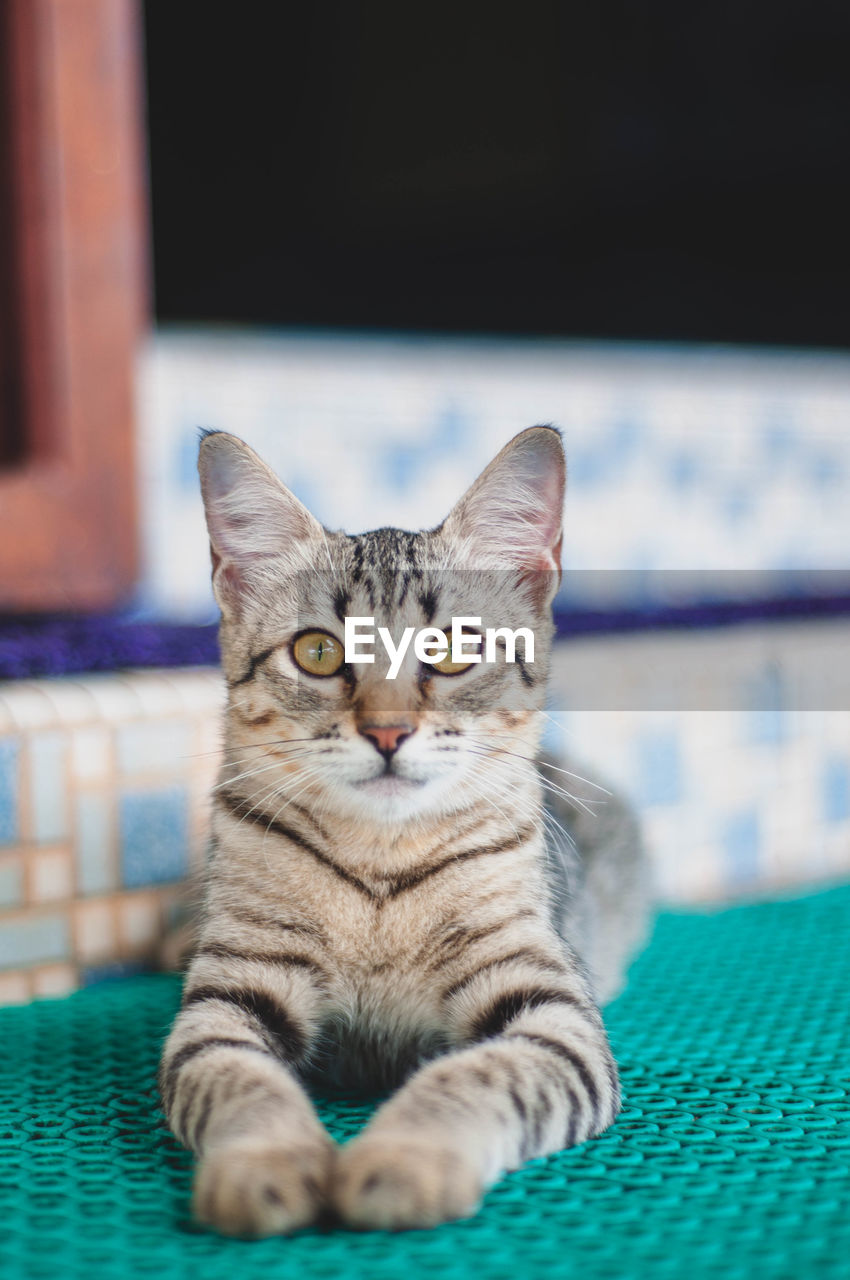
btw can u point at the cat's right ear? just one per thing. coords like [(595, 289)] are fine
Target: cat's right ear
[(252, 519)]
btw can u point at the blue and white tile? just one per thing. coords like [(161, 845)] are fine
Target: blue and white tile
[(704, 439), (154, 746), (742, 847), (95, 842), (835, 788), (10, 754), (95, 931), (48, 756), (11, 881), (154, 833), (91, 753), (34, 938)]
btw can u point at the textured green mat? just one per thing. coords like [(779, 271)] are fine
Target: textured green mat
[(730, 1160)]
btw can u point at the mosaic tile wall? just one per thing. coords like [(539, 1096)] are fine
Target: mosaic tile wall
[(734, 746), (103, 796), (740, 769), (687, 459)]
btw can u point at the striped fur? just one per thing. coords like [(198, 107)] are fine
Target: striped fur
[(403, 922)]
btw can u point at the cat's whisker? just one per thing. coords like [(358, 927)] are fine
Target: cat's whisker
[(558, 848), (580, 802), (234, 762), (568, 733), (489, 793), (265, 768), (286, 778), (504, 788), (567, 851), (597, 786), (259, 800), (263, 794), (546, 783), (577, 802), (549, 817), (258, 797), (227, 783), (543, 764), (586, 802), (497, 754), (308, 776), (248, 746), (553, 847), (306, 779)]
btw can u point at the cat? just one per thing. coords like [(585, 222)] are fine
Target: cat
[(388, 903)]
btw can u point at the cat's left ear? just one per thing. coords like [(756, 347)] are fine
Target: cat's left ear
[(512, 515)]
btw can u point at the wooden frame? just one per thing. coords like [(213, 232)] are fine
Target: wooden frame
[(73, 301)]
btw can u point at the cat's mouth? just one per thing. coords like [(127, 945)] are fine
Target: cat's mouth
[(389, 783)]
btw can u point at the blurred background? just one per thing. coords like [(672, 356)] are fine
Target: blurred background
[(376, 244)]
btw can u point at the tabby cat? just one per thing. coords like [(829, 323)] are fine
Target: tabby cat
[(389, 904)]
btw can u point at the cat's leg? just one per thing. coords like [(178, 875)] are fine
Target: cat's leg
[(537, 1076), (230, 1093)]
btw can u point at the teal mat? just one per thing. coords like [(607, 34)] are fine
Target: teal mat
[(730, 1159)]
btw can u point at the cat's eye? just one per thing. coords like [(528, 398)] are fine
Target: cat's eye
[(446, 666), (318, 653)]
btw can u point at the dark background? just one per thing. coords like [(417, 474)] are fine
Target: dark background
[(662, 170)]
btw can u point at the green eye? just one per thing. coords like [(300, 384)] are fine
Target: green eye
[(318, 653)]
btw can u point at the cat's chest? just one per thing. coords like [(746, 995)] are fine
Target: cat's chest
[(382, 963), (396, 950), (387, 1017), (376, 946)]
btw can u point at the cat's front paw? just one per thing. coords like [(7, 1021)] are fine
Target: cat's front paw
[(396, 1181), (256, 1189)]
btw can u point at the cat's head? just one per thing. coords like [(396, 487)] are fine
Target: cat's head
[(305, 724)]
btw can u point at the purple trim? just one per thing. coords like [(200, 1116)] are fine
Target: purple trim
[(55, 646), (572, 623), (64, 646)]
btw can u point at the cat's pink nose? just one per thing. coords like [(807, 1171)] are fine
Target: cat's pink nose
[(387, 738)]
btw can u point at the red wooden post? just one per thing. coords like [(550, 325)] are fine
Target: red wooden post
[(73, 299)]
